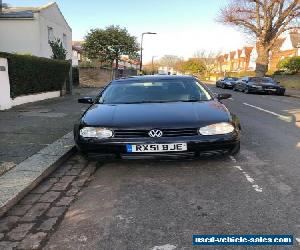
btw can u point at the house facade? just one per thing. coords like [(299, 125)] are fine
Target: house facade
[(28, 30), (245, 59)]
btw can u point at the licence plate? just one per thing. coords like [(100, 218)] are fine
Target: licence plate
[(144, 148)]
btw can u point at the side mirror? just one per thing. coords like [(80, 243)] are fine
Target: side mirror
[(86, 100), (223, 96)]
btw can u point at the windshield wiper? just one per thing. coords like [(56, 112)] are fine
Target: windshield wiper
[(190, 100), (138, 102)]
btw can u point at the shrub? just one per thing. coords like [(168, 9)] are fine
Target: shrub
[(58, 49), (290, 64), (31, 74)]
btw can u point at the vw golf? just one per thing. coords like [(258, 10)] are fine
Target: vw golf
[(157, 116)]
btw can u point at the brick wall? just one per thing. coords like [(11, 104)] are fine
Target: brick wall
[(99, 77), (94, 76)]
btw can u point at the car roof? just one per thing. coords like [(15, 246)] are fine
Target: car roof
[(154, 78)]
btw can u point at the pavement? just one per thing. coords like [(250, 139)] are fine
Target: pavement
[(26, 129), (36, 138), (159, 205), (293, 92)]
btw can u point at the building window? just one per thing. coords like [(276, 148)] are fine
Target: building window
[(65, 40), (50, 34)]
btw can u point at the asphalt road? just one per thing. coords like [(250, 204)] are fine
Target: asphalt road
[(160, 205)]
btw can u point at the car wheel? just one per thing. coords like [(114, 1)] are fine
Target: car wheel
[(234, 89), (223, 86), (246, 90), (236, 149), (281, 93)]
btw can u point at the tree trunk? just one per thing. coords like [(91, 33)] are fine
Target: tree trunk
[(262, 61)]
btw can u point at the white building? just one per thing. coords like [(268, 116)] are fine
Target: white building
[(28, 30), (165, 70)]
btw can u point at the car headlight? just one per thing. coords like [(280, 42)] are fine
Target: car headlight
[(94, 132), (217, 129), (256, 86)]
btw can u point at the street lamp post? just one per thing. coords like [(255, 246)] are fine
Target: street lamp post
[(141, 53), (153, 64)]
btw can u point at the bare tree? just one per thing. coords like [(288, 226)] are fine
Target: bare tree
[(266, 20), (170, 60), (208, 58)]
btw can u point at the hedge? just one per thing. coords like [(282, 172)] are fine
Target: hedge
[(31, 74)]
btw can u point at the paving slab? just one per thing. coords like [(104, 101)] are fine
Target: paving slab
[(15, 183)]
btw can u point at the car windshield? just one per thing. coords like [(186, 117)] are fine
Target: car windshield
[(231, 78), (155, 91), (262, 80)]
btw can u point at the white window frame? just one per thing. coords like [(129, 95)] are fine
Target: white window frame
[(50, 34), (65, 40)]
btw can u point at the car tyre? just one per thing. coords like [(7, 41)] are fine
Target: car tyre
[(234, 89), (236, 149)]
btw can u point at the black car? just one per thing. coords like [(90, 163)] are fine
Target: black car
[(259, 85), (156, 116), (226, 82)]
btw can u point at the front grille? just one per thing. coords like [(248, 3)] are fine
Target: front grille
[(144, 133)]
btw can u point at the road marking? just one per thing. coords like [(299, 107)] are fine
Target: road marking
[(282, 117), (256, 187), (232, 158), (164, 247)]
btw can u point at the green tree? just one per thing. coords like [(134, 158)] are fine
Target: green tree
[(290, 64), (107, 45), (58, 50), (193, 66)]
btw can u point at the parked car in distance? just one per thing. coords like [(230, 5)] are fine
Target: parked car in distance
[(265, 85), (157, 116), (226, 82)]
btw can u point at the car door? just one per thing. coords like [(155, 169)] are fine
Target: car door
[(244, 83), (238, 84)]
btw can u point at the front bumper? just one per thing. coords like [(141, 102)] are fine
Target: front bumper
[(229, 85), (196, 145), (276, 91)]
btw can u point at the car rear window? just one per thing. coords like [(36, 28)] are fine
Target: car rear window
[(262, 79), (154, 91)]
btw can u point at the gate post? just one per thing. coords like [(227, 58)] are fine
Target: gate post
[(5, 100)]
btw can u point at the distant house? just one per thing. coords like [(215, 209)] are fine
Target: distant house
[(28, 30), (287, 47), (165, 70), (245, 59), (77, 52)]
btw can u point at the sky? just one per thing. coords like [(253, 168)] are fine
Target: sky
[(182, 26)]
